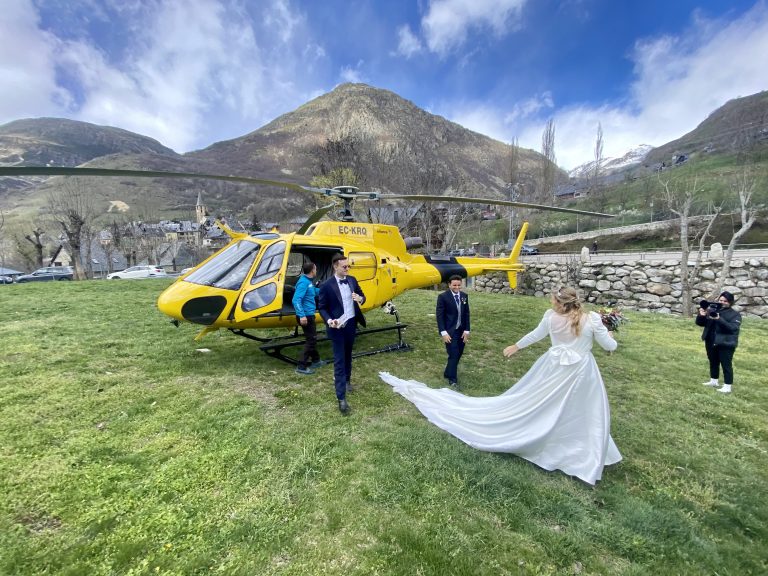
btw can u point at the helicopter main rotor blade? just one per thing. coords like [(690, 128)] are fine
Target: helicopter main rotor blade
[(315, 217), (464, 199), (340, 192), (63, 171)]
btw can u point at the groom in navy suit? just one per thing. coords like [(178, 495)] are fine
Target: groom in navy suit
[(340, 300), (453, 324)]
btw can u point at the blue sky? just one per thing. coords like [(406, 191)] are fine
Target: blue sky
[(193, 72)]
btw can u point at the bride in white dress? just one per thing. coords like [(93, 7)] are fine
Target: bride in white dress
[(556, 416)]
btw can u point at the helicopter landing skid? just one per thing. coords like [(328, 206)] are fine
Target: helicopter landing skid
[(275, 349), (244, 334)]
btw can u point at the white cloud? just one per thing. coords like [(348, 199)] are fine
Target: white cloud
[(408, 44), (281, 17), (28, 71), (179, 66), (183, 64), (349, 74), (478, 117), (530, 107), (678, 82), (448, 22)]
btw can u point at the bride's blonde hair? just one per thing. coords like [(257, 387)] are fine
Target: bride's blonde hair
[(566, 301)]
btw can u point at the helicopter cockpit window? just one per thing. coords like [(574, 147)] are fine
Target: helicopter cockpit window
[(362, 265), (259, 297), (270, 263), (228, 269)]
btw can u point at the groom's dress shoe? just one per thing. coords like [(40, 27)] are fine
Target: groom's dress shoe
[(343, 406)]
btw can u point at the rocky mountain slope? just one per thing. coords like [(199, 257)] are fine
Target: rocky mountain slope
[(392, 134), (611, 165), (392, 144), (60, 142), (397, 146), (739, 124)]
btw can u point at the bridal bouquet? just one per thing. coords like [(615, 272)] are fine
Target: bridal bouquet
[(612, 318)]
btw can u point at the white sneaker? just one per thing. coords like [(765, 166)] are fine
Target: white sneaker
[(713, 383), (726, 389)]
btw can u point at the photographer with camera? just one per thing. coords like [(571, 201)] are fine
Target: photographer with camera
[(721, 337)]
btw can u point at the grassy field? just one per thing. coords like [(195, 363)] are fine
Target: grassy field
[(124, 450)]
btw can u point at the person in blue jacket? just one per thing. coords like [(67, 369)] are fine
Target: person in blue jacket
[(305, 307)]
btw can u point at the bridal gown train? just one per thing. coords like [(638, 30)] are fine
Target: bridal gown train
[(556, 416)]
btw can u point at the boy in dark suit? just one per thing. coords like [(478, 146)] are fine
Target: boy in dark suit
[(340, 301), (453, 324)]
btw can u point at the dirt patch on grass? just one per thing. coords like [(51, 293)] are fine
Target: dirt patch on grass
[(255, 387), (38, 522)]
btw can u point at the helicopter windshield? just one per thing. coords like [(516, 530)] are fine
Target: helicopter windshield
[(228, 269)]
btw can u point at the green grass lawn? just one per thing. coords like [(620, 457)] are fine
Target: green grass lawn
[(124, 450)]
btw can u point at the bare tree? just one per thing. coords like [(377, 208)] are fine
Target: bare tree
[(149, 241), (3, 246), (28, 245), (107, 242), (548, 162), (425, 223), (513, 184), (598, 153), (743, 185), (679, 198), (123, 240), (456, 215), (430, 180), (71, 207), (597, 190)]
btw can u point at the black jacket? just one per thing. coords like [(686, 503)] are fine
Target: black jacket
[(447, 312), (723, 331), (330, 304)]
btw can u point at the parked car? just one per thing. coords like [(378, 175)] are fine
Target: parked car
[(137, 272), (6, 280), (462, 252), (47, 274), (527, 250)]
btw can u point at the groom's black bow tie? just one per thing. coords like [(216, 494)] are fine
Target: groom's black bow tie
[(343, 281)]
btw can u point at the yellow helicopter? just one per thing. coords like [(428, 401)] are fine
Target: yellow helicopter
[(248, 284)]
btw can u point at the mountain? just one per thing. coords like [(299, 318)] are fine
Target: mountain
[(392, 137), (610, 165), (60, 142), (738, 124), (393, 145)]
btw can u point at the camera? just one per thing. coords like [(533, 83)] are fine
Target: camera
[(712, 308)]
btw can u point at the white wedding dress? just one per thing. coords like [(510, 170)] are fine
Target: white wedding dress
[(556, 416)]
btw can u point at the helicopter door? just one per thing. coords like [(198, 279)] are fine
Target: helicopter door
[(363, 268), (263, 292)]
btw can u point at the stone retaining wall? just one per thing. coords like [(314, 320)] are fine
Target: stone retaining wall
[(640, 285)]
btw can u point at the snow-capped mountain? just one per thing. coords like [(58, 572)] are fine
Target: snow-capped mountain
[(610, 165)]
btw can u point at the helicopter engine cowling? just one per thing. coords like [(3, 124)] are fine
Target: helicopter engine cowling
[(413, 242)]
